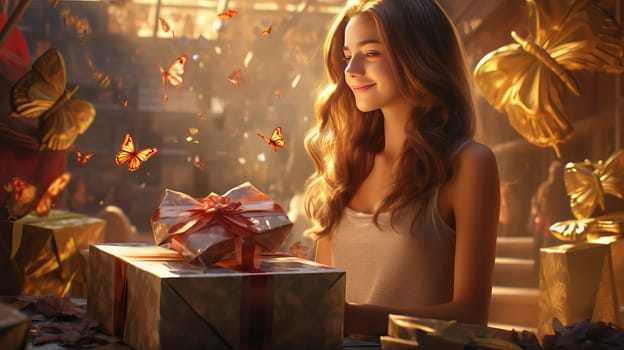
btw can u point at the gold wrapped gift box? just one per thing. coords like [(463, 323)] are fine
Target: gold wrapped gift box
[(408, 332), (582, 281), (13, 328), (152, 298), (44, 255)]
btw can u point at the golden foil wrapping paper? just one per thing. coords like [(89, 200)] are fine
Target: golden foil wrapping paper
[(171, 303), (582, 281), (407, 332), (45, 255)]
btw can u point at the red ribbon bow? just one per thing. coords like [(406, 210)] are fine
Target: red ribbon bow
[(214, 210), (200, 228)]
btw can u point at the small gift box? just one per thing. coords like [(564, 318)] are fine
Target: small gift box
[(407, 332), (43, 255), (581, 281), (13, 328), (241, 223), (153, 298)]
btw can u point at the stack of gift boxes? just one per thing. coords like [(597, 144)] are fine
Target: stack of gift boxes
[(584, 279), (213, 283)]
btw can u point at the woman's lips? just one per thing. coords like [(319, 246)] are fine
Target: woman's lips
[(361, 88)]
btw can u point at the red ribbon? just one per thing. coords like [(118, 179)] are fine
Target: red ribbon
[(215, 210), (256, 317)]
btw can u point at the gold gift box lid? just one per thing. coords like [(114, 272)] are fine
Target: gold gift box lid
[(435, 334)]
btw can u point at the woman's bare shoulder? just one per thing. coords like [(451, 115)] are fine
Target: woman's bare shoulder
[(475, 163), (474, 155)]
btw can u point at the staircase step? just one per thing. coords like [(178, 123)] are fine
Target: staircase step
[(515, 247), (515, 307), (515, 272)]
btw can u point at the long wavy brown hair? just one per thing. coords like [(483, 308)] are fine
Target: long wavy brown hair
[(428, 64)]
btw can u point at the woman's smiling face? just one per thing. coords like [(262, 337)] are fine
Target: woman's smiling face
[(368, 72)]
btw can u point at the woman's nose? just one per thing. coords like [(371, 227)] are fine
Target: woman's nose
[(354, 67)]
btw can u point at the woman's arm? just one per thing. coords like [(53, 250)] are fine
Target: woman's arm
[(323, 252), (473, 195)]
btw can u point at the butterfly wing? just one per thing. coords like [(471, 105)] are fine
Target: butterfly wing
[(235, 77), (35, 92), (611, 178), (277, 138), (163, 23), (82, 158), (579, 35), (44, 205), (267, 30), (583, 189), (228, 14), (515, 82), (137, 159), (60, 128), (175, 71), (127, 150)]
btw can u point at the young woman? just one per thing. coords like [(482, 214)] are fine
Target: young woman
[(402, 198)]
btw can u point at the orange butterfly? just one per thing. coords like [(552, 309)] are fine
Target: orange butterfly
[(165, 26), (235, 78), (44, 205), (267, 31), (228, 14), (82, 158), (276, 140), (174, 73), (129, 154)]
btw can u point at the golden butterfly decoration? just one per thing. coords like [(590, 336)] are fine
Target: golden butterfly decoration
[(586, 184), (41, 93), (23, 197), (129, 154), (528, 79)]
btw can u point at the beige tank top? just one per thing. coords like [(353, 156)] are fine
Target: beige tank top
[(399, 269)]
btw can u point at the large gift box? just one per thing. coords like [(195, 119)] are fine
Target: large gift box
[(153, 298), (582, 281), (44, 255)]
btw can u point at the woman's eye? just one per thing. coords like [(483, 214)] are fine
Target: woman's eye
[(372, 54), (346, 59)]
